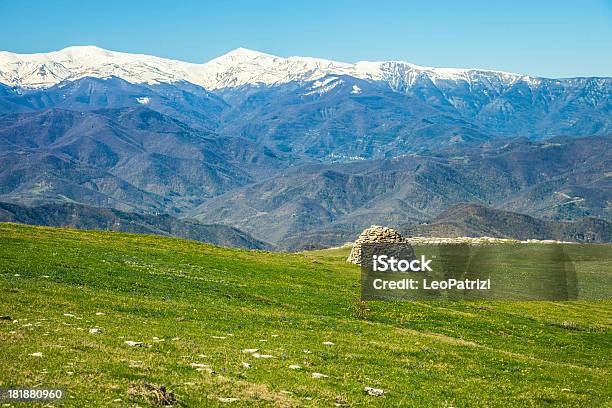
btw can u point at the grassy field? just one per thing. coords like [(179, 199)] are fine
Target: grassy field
[(193, 309)]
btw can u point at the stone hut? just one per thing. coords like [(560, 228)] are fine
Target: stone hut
[(374, 234)]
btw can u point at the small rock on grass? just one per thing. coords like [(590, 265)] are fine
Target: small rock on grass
[(37, 354), (95, 330), (376, 392), (319, 375), (250, 351), (132, 343), (246, 365), (328, 343), (224, 399), (257, 355), (295, 366)]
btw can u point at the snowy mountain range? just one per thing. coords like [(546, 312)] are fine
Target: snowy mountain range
[(365, 97), (236, 68), (281, 147)]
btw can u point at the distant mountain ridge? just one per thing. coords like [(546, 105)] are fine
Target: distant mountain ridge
[(565, 179), (475, 220), (70, 215), (129, 159)]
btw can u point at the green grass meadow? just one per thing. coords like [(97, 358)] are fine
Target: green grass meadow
[(194, 308)]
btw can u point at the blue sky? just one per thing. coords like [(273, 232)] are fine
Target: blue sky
[(545, 38)]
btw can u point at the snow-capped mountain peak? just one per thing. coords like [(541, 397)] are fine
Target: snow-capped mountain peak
[(242, 54), (42, 70)]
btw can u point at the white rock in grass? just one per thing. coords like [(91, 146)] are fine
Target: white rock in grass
[(219, 337), (319, 375), (95, 330), (68, 315), (132, 343), (99, 314), (328, 343), (307, 351), (246, 365), (250, 351), (37, 354), (295, 366), (275, 335), (376, 392), (257, 355), (223, 399)]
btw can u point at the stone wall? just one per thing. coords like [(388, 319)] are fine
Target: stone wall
[(377, 233)]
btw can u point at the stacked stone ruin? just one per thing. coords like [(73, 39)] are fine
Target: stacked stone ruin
[(374, 234)]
